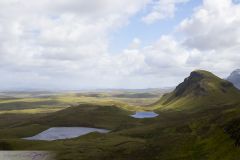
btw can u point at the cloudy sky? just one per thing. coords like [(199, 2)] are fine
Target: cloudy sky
[(79, 44)]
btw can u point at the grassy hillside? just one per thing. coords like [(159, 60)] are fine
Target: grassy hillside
[(85, 115), (200, 90), (171, 136), (199, 120)]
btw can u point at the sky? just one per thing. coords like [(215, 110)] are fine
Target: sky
[(96, 44)]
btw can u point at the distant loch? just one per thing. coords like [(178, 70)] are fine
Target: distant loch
[(141, 115), (57, 133)]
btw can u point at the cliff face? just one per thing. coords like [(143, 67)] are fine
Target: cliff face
[(235, 78)]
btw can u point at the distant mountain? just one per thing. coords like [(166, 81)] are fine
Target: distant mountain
[(235, 78), (201, 88)]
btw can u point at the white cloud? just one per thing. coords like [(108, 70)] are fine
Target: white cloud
[(214, 25), (136, 43), (162, 9), (164, 59), (64, 44), (214, 31), (52, 38)]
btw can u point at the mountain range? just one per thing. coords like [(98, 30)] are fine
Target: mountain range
[(235, 78)]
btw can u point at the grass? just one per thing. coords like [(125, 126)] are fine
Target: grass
[(61, 101), (202, 89), (192, 126), (171, 136), (31, 111)]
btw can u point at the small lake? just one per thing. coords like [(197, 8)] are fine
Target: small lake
[(56, 133), (144, 115)]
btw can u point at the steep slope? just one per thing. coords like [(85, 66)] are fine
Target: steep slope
[(235, 78), (203, 89)]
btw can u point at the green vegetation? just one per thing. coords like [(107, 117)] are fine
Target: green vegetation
[(199, 120), (201, 89)]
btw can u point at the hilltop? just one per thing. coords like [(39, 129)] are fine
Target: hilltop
[(200, 89)]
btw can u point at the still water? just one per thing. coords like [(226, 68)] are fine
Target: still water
[(56, 133), (145, 115)]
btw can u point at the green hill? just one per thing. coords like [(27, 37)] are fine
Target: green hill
[(101, 116), (201, 89), (199, 120)]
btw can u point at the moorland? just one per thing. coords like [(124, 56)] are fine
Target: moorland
[(198, 120)]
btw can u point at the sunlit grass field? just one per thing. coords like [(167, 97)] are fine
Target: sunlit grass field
[(56, 102)]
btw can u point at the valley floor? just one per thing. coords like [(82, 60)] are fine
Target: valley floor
[(209, 134)]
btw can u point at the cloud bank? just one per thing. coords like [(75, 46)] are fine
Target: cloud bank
[(64, 44)]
